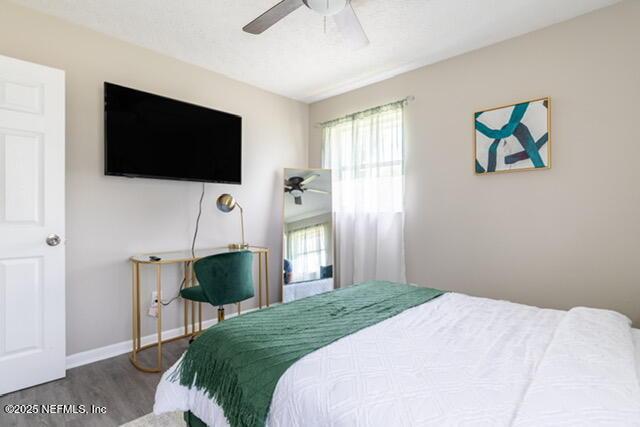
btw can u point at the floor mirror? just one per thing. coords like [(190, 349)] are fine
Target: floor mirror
[(307, 242)]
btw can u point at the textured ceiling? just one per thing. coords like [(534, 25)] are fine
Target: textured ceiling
[(296, 58)]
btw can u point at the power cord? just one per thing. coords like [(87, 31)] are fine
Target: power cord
[(193, 247), (195, 233)]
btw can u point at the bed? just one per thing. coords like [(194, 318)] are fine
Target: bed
[(299, 290), (455, 360)]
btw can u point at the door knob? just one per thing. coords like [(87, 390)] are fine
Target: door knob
[(53, 240)]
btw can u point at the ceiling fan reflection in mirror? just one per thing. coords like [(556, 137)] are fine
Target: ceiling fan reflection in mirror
[(341, 11), (297, 185)]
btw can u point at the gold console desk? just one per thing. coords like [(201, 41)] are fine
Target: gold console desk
[(186, 258)]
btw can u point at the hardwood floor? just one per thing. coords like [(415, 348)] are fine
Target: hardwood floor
[(113, 383)]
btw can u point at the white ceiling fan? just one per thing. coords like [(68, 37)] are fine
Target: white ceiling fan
[(297, 186), (341, 11)]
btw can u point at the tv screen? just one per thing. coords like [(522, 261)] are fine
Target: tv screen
[(152, 136)]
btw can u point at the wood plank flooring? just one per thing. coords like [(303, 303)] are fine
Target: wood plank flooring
[(114, 383)]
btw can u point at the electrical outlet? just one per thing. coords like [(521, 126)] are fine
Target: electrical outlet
[(153, 307)]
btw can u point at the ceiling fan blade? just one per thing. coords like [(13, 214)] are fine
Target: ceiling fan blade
[(271, 16), (298, 200), (309, 179), (313, 190), (350, 27)]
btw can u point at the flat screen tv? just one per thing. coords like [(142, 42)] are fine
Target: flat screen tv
[(152, 136)]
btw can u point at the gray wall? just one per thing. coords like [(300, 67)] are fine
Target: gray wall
[(111, 218), (558, 238)]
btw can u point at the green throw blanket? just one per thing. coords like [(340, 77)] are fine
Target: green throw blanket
[(239, 361)]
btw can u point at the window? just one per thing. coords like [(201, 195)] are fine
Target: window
[(365, 152), (307, 250)]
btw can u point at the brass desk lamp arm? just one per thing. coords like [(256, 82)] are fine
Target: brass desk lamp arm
[(241, 221)]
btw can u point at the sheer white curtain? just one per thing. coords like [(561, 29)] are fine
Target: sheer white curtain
[(307, 250), (366, 154)]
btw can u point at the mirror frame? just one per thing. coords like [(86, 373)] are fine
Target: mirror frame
[(333, 229)]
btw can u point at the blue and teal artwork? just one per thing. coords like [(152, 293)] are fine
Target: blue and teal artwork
[(513, 138)]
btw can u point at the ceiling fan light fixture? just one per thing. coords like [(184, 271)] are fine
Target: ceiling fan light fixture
[(340, 10), (295, 192), (326, 7)]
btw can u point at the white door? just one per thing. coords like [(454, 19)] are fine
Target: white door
[(32, 283)]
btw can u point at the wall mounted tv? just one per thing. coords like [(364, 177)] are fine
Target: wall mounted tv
[(152, 136)]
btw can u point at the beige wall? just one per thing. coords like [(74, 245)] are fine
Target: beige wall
[(111, 218), (564, 237), (558, 238)]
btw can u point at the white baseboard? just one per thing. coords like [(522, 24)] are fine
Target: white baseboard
[(106, 352)]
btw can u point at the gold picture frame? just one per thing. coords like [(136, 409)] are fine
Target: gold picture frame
[(491, 137)]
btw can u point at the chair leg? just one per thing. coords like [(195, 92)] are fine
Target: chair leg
[(220, 314)]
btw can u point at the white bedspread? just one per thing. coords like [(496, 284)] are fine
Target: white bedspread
[(456, 360), (294, 291), (587, 375)]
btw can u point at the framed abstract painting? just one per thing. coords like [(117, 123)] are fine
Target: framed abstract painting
[(513, 138)]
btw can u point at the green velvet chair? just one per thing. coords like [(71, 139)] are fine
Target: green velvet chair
[(225, 278)]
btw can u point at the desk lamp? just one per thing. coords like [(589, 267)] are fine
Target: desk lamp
[(226, 203)]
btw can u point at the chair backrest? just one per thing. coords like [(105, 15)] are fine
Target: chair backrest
[(226, 278)]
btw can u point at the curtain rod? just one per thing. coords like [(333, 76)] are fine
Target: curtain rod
[(405, 100)]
